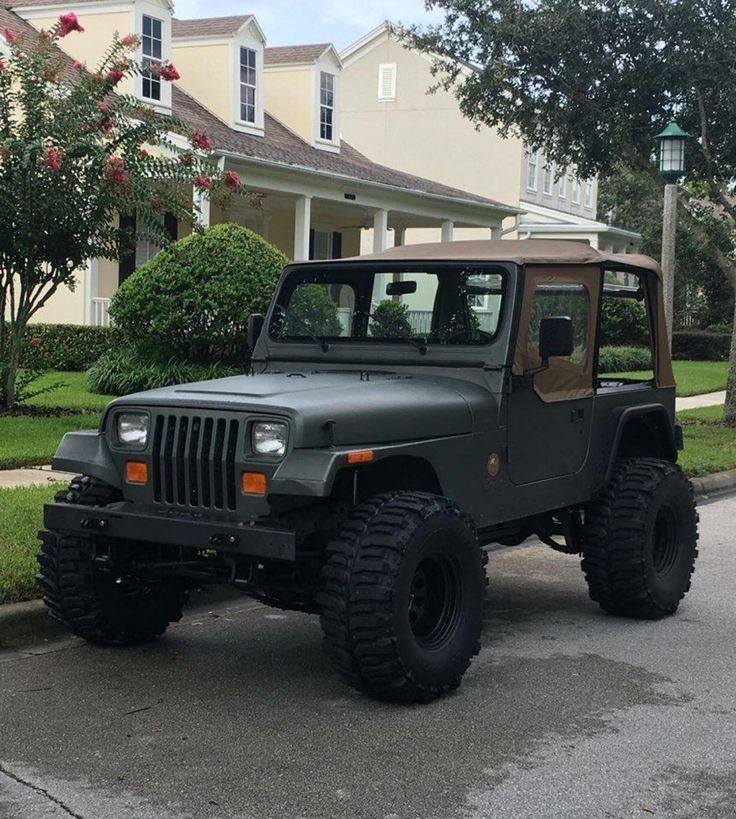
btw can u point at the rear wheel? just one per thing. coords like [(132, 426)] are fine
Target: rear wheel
[(640, 539), (103, 605), (402, 597)]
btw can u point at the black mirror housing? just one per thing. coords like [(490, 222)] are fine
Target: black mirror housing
[(255, 325), (555, 337)]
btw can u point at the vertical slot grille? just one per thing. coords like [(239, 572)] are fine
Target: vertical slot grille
[(194, 461)]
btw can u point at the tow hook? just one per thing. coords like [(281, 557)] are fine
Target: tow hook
[(94, 523)]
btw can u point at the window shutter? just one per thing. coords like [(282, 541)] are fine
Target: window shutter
[(171, 226), (311, 243), (337, 245), (387, 81), (126, 262)]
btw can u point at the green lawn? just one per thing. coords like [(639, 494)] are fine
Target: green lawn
[(27, 440), (692, 377), (708, 446), (21, 516), (72, 395)]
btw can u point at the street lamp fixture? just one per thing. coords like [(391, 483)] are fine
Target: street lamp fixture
[(672, 152), (672, 168)]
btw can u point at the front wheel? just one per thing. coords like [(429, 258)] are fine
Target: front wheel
[(402, 597), (640, 539)]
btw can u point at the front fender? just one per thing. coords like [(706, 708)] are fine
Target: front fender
[(86, 453)]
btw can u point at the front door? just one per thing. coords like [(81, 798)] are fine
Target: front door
[(550, 410)]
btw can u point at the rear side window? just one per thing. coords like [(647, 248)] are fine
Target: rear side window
[(626, 353)]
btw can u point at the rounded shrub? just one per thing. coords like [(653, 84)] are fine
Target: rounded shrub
[(391, 320), (191, 302), (312, 311)]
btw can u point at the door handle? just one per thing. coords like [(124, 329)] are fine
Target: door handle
[(576, 416)]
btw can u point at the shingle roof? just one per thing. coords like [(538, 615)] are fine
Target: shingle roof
[(283, 55), (279, 144), (208, 26)]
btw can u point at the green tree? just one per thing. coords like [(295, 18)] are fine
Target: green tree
[(73, 156), (391, 320), (312, 311), (590, 84)]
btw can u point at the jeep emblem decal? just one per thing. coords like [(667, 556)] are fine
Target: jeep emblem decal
[(494, 464)]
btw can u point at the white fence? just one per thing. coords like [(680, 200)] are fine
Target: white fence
[(100, 312)]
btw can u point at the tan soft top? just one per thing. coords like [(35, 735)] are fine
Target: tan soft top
[(518, 251)]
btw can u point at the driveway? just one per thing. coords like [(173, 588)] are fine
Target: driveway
[(567, 712)]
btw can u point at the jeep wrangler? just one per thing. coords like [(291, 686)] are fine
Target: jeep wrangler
[(403, 412)]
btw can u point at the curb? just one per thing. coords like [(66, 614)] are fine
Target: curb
[(24, 624)]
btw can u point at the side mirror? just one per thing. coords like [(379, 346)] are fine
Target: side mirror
[(555, 337), (255, 325)]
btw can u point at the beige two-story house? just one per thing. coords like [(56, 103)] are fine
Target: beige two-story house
[(388, 113), (274, 116)]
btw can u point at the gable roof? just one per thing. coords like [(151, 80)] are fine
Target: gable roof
[(209, 26), (288, 55)]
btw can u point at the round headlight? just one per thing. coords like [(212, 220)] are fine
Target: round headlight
[(132, 429), (269, 438)]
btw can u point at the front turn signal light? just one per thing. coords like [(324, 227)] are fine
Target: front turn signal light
[(136, 472), (364, 457), (254, 483)]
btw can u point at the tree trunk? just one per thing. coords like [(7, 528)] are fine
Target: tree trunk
[(729, 408), (15, 341)]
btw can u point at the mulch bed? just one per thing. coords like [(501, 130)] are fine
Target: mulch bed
[(45, 412)]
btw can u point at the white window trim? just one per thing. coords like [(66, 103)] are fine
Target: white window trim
[(535, 182), (548, 174), (138, 11), (562, 186), (588, 194), (382, 69), (332, 145), (247, 40), (576, 190)]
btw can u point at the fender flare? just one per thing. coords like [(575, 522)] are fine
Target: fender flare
[(86, 453), (657, 411)]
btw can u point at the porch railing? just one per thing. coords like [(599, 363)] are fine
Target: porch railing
[(100, 312)]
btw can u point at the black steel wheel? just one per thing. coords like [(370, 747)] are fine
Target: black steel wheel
[(640, 539), (402, 597), (106, 607)]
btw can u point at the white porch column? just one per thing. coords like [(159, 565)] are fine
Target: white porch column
[(399, 236), (302, 224), (496, 233), (448, 229), (202, 207), (380, 230), (93, 287)]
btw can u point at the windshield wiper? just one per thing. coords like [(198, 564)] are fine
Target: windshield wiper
[(323, 344)]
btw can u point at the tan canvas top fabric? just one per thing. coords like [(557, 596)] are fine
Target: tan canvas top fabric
[(517, 251)]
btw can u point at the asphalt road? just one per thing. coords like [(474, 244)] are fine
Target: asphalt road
[(567, 712)]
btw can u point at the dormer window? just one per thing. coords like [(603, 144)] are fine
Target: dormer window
[(326, 106), (248, 84), (152, 52)]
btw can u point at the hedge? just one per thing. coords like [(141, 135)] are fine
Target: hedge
[(624, 359), (700, 345), (69, 347)]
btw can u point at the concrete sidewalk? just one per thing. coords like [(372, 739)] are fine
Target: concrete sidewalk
[(32, 476), (709, 399)]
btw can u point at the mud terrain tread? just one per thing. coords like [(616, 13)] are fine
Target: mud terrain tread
[(613, 556), (356, 593)]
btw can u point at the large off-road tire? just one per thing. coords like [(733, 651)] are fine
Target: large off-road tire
[(103, 607), (402, 597), (640, 539)]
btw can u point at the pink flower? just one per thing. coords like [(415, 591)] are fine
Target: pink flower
[(115, 76), (77, 65), (104, 107), (9, 35), (35, 341), (2, 64), (52, 159), (231, 180), (144, 152), (200, 140), (68, 23), (203, 182), (168, 72), (129, 40), (114, 170)]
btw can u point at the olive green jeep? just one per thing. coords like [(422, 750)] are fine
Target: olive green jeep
[(404, 411)]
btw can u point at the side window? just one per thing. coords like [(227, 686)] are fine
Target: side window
[(626, 353), (562, 299)]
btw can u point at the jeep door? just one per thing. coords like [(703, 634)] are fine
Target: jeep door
[(550, 406)]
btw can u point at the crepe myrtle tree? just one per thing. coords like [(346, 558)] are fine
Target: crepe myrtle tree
[(590, 82), (74, 155)]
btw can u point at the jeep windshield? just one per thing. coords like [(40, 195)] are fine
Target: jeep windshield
[(452, 305)]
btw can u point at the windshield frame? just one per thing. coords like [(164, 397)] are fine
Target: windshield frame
[(377, 344)]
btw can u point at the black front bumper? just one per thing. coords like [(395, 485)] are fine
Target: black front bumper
[(172, 529)]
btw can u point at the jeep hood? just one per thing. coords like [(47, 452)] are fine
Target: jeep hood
[(366, 408)]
